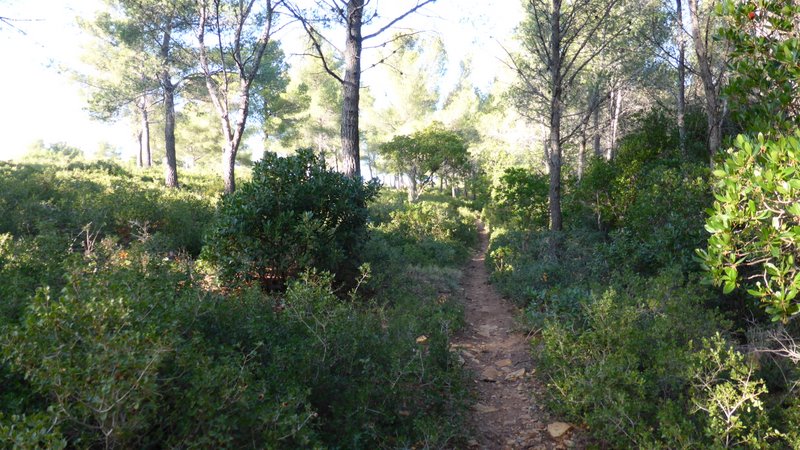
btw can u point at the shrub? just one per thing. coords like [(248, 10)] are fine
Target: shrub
[(294, 214), (523, 269), (625, 361), (519, 200), (729, 394), (132, 353), (428, 233), (755, 223)]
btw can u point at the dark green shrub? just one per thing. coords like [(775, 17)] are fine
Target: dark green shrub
[(522, 267), (519, 200), (294, 214), (132, 353), (662, 225), (626, 360), (755, 223), (429, 233)]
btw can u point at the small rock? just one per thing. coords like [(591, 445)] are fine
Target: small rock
[(557, 429), (569, 444), (422, 339), (516, 375), (472, 443), (490, 374), (503, 363), (483, 409)]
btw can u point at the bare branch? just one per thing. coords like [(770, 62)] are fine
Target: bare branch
[(397, 19)]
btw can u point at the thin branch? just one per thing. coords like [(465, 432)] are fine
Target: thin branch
[(397, 19)]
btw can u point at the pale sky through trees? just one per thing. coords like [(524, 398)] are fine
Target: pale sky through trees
[(41, 102)]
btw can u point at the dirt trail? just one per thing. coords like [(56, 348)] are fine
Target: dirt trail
[(509, 412)]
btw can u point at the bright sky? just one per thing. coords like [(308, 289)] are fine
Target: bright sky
[(40, 102)]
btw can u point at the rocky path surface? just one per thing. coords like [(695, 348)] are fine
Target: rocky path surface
[(509, 413)]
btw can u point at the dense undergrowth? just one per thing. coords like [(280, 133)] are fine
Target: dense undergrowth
[(115, 336), (631, 339)]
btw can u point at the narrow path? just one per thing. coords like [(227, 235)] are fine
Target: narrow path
[(509, 412)]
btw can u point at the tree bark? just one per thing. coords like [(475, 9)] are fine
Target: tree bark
[(351, 89), (598, 151), (145, 158), (582, 153), (413, 195), (228, 168), (711, 88), (139, 162), (616, 108), (554, 158), (170, 162), (681, 79)]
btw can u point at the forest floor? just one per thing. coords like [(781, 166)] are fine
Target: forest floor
[(509, 412)]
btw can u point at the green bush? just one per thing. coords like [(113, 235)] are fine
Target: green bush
[(428, 233), (755, 223), (626, 360), (132, 346), (294, 214), (132, 353), (67, 197), (523, 268), (519, 200)]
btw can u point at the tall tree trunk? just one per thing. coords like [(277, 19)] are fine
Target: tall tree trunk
[(714, 111), (233, 125), (413, 195), (598, 151), (228, 168), (582, 153), (233, 138), (681, 79), (170, 162), (616, 108), (554, 159), (139, 162), (145, 156), (351, 88)]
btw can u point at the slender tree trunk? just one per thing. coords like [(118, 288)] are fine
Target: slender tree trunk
[(233, 139), (233, 125), (139, 162), (170, 162), (413, 195), (681, 79), (351, 88), (616, 108), (714, 111), (598, 150), (228, 168), (146, 158), (554, 159), (582, 153)]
